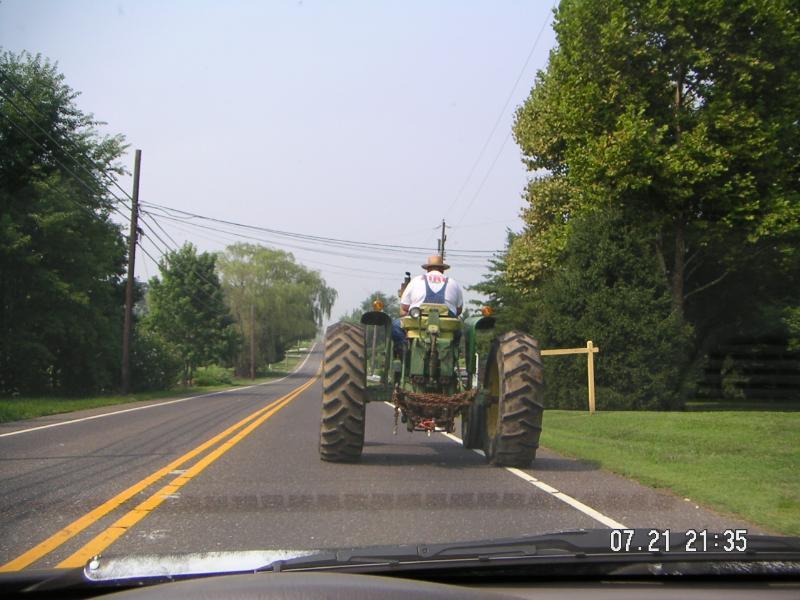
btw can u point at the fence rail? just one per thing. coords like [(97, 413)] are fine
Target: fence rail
[(589, 351)]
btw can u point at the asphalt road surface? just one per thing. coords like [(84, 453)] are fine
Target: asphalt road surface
[(240, 470)]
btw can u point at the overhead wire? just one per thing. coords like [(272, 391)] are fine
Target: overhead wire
[(91, 175), (72, 142), (342, 243), (337, 269), (494, 129), (88, 209), (192, 269), (465, 255), (328, 252)]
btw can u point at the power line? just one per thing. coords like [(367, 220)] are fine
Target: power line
[(485, 179), (192, 270), (72, 142), (337, 242), (232, 237), (88, 209), (326, 251), (498, 120)]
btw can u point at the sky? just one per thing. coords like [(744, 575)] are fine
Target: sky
[(364, 121)]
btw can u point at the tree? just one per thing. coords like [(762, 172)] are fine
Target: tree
[(61, 256), (187, 310), (684, 115), (273, 299), (675, 122)]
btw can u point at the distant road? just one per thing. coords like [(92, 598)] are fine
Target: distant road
[(240, 470)]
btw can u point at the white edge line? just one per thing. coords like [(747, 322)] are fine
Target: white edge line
[(558, 495), (127, 410)]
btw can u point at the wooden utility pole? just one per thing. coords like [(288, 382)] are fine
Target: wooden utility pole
[(252, 341), (442, 240), (126, 328)]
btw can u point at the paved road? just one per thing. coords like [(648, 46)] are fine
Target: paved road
[(239, 470)]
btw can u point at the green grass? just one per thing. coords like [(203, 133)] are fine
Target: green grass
[(25, 407), (741, 463)]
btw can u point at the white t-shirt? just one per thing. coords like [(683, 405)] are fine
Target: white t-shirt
[(414, 294)]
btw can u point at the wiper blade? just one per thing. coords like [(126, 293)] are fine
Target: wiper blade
[(594, 545)]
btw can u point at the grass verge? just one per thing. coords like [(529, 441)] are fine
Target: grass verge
[(26, 407), (742, 463)]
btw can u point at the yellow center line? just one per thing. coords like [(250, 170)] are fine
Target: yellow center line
[(107, 537), (74, 528)]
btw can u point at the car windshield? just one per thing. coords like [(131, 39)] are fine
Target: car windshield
[(302, 275)]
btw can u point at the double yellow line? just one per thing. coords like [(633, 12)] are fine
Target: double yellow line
[(240, 430)]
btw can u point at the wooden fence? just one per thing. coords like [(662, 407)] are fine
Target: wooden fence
[(589, 350)]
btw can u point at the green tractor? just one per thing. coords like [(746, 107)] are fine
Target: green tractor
[(501, 411)]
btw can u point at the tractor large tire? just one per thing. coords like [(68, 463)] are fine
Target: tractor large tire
[(514, 423), (344, 393), (473, 426)]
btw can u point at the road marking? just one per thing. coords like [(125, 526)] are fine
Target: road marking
[(118, 528), (74, 528), (566, 498), (127, 410)]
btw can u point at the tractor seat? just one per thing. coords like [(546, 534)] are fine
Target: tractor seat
[(447, 325)]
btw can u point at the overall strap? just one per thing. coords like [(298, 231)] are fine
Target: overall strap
[(432, 297)]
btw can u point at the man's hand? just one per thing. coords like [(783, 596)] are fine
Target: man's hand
[(404, 309)]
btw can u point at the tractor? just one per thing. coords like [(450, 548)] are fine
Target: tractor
[(499, 402)]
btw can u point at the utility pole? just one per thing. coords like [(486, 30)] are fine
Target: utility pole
[(252, 341), (442, 240), (126, 329)]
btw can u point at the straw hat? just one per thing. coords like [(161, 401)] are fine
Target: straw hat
[(435, 261)]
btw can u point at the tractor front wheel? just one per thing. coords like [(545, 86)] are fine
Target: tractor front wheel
[(513, 420), (344, 385)]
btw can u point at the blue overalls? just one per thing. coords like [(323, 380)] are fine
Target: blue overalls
[(431, 297)]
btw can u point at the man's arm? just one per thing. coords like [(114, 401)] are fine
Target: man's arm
[(459, 300), (405, 299)]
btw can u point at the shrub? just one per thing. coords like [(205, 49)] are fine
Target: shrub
[(213, 375), (155, 365)]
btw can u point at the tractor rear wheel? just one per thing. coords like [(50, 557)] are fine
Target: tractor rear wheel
[(473, 426), (513, 423), (344, 391)]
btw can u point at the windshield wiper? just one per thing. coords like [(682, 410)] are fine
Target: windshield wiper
[(587, 547)]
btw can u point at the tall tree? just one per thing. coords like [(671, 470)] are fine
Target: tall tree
[(684, 114), (186, 307), (274, 300), (61, 256)]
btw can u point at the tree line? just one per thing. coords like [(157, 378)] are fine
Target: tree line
[(662, 213), (62, 264)]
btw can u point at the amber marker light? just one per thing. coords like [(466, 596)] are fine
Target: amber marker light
[(487, 311), (377, 305)]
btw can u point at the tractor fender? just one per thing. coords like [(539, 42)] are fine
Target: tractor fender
[(471, 326), (376, 317)]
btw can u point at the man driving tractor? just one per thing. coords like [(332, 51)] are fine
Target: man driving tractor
[(431, 288)]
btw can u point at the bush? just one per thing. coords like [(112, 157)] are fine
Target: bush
[(213, 375), (155, 365)]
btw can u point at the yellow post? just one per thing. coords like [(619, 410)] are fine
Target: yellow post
[(590, 367)]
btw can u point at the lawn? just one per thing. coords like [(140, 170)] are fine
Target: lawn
[(17, 409), (745, 463)]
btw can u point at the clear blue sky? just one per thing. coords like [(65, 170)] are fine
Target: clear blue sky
[(355, 120)]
